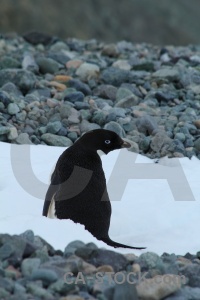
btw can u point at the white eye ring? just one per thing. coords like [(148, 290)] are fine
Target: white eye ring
[(107, 142)]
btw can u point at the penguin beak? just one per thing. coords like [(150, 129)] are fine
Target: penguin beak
[(125, 144)]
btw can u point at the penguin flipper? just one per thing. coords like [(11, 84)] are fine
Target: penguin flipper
[(48, 200), (110, 242)]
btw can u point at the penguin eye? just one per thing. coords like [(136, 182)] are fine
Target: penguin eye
[(107, 142)]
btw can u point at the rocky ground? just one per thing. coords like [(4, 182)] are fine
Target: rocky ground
[(31, 269), (51, 92)]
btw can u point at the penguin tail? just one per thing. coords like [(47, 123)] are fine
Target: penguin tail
[(109, 242)]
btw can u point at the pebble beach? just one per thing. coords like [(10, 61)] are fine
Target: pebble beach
[(54, 90)]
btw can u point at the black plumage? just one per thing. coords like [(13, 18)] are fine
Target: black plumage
[(78, 185)]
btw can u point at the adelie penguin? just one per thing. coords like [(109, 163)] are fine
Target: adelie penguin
[(78, 186)]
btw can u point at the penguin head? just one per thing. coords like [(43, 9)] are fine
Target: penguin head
[(104, 140)]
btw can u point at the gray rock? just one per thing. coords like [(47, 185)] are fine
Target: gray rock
[(9, 63), (81, 105), (151, 289), (159, 140), (123, 92), (180, 136), (110, 50), (114, 126), (99, 118), (54, 127), (29, 265), (18, 288), (87, 71), (144, 65), (150, 260), (13, 108), (177, 146), (39, 292), (87, 126), (76, 244), (172, 74), (58, 46), (72, 136), (13, 134), (36, 38), (79, 86), (74, 97), (11, 89), (47, 65), (106, 91), (69, 251), (74, 117), (85, 114), (29, 63), (4, 98), (28, 235), (101, 257), (31, 98), (146, 124), (114, 76), (84, 252), (197, 144), (118, 111), (47, 276), (192, 272), (24, 79), (23, 138), (134, 147), (165, 96), (128, 101), (4, 130), (124, 291), (61, 287), (186, 293), (6, 251), (7, 284), (4, 294), (65, 110), (55, 140), (145, 143), (42, 254)]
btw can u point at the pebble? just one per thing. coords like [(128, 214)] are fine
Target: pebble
[(114, 76), (171, 74), (86, 85), (53, 127), (47, 65), (146, 124), (24, 79), (87, 126), (13, 108), (23, 138), (110, 50), (159, 288), (197, 144), (159, 140), (74, 97), (114, 126), (122, 64), (55, 140), (87, 71), (47, 276), (29, 265), (13, 134)]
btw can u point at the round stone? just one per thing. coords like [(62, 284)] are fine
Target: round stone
[(13, 108)]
